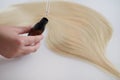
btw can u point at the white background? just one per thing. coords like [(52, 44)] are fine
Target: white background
[(46, 65)]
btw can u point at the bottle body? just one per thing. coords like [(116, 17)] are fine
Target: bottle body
[(39, 27)]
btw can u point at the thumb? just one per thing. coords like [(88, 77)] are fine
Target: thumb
[(25, 29)]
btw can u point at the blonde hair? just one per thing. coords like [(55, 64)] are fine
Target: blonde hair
[(73, 29)]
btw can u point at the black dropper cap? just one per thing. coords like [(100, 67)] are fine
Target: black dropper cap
[(41, 24), (39, 27)]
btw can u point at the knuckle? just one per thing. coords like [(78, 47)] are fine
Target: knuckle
[(34, 50), (36, 39), (19, 41)]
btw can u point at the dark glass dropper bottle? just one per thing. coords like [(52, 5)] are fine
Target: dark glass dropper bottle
[(39, 27)]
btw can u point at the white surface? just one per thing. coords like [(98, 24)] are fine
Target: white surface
[(46, 65)]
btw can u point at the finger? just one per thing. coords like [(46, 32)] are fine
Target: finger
[(22, 30), (30, 49), (30, 40)]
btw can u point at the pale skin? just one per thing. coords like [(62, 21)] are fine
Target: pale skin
[(13, 45)]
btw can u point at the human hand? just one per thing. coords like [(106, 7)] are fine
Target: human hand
[(13, 45)]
